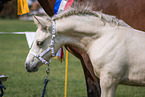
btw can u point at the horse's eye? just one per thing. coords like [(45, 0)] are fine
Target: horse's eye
[(40, 43)]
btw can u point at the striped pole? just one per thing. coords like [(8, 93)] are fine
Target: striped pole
[(66, 73)]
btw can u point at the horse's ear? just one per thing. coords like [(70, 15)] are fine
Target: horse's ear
[(39, 21)]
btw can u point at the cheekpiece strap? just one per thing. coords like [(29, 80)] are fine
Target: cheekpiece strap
[(53, 38)]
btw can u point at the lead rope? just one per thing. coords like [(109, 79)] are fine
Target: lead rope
[(46, 81)]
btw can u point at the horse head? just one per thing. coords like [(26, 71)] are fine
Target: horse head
[(43, 46)]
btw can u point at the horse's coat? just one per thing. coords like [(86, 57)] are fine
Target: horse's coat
[(109, 44)]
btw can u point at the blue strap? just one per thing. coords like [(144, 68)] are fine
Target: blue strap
[(56, 6)]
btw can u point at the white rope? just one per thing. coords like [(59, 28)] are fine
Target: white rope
[(13, 32)]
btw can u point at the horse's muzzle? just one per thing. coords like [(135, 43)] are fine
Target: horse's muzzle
[(30, 68)]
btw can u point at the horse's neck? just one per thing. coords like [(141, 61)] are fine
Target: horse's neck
[(79, 31)]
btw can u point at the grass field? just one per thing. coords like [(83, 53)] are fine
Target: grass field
[(13, 51)]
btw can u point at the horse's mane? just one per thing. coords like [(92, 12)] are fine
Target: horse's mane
[(87, 10)]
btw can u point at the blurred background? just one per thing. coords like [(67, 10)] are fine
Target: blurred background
[(10, 10)]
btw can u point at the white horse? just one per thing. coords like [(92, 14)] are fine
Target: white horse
[(116, 50)]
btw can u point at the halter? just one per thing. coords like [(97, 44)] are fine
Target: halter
[(50, 48), (40, 57)]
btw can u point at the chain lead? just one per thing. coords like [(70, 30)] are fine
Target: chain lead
[(47, 72)]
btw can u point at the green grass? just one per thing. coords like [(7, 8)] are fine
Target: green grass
[(13, 51), (16, 25)]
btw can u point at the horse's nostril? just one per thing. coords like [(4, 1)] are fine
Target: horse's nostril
[(29, 70), (27, 67), (35, 69)]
